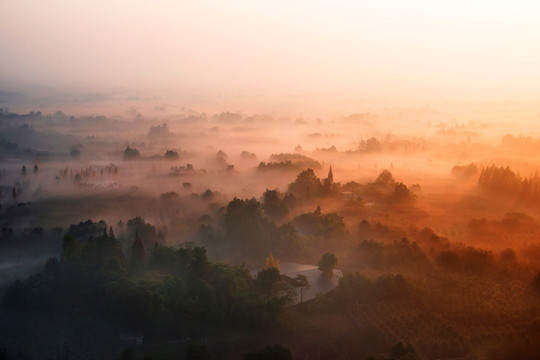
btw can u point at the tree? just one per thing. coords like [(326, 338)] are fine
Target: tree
[(137, 251), (304, 284), (131, 154), (247, 228), (535, 283), (385, 178), (402, 193), (271, 262), (318, 224), (403, 351), (171, 155), (371, 145), (449, 260), (158, 131), (51, 267), (328, 263), (70, 246), (146, 231), (306, 185), (273, 206), (288, 240), (267, 278)]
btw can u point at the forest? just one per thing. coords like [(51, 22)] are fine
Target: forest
[(269, 180), (199, 236)]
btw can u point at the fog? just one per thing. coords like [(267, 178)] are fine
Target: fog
[(159, 161), (411, 190), (238, 154), (268, 54)]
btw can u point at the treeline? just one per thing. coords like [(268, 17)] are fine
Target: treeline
[(427, 252), (502, 180), (176, 291), (288, 162), (482, 303), (249, 229)]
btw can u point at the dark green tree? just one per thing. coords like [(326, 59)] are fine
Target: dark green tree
[(267, 278), (273, 205), (328, 263), (306, 185), (304, 284), (70, 246), (246, 227), (171, 155), (137, 251), (131, 154)]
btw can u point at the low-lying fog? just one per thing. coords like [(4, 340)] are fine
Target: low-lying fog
[(427, 192), (67, 168)]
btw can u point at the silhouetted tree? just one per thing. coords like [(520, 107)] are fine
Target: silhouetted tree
[(171, 155), (70, 246), (273, 206), (328, 263), (131, 154), (137, 251), (304, 284), (402, 193), (318, 224), (402, 351), (306, 185), (266, 278), (535, 283), (385, 179)]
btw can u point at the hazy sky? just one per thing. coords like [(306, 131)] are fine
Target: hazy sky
[(446, 50)]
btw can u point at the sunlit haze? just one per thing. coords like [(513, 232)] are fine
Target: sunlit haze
[(269, 180), (396, 52)]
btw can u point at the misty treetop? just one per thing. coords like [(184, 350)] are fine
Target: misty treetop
[(448, 269), (145, 291), (131, 154)]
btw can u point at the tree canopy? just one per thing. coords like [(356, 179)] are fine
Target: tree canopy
[(327, 263)]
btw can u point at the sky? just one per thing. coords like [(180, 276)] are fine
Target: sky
[(395, 51)]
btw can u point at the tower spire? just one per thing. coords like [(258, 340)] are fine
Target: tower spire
[(330, 175)]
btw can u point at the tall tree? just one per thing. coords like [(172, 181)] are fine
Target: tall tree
[(328, 263), (137, 251), (304, 284), (271, 262)]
